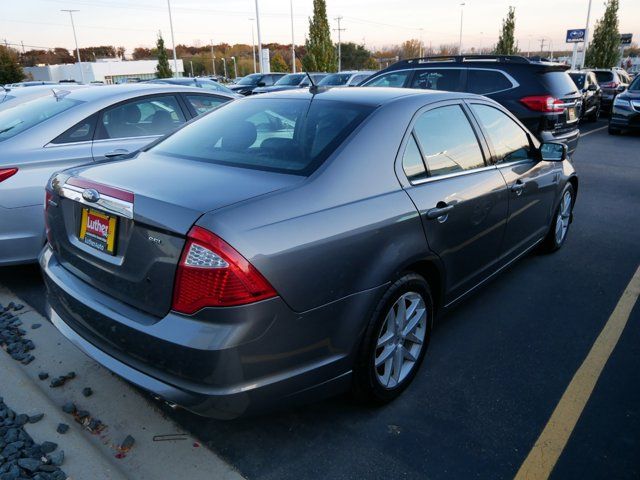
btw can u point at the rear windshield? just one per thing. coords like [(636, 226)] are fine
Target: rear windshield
[(604, 76), (291, 80), (335, 79), (250, 79), (282, 135), (559, 84), (17, 119)]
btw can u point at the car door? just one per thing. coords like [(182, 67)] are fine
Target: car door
[(128, 126), (462, 201), (532, 183)]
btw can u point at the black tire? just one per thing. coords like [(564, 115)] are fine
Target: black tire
[(551, 242), (366, 386), (614, 131)]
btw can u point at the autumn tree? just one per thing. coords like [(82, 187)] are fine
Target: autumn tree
[(603, 51), (411, 48), (321, 55), (507, 42), (278, 63)]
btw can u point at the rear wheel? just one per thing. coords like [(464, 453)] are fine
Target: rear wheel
[(561, 221), (395, 341)]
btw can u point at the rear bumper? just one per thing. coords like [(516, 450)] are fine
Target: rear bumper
[(225, 363), (21, 234)]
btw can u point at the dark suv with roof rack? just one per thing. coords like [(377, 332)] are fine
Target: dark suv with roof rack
[(540, 94)]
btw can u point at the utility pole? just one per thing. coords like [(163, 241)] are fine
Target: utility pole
[(173, 42), (235, 67), (213, 59), (253, 46), (259, 37), (339, 30), (224, 64), (73, 27), (293, 42), (586, 37), (191, 62), (542, 40), (461, 18), (22, 42)]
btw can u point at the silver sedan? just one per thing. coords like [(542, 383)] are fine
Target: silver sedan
[(69, 127)]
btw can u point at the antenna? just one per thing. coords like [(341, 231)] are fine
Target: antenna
[(313, 88)]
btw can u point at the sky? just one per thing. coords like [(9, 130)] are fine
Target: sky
[(375, 23)]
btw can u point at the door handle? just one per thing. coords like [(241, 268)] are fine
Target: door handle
[(518, 187), (116, 153), (441, 210)]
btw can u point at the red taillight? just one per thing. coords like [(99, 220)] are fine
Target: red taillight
[(6, 173), (543, 103), (212, 273), (609, 85), (48, 196)]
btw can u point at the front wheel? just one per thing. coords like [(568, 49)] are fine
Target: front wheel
[(395, 341), (561, 221)]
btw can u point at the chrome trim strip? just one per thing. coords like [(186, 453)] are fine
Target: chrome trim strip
[(452, 175), (106, 203), (495, 273)]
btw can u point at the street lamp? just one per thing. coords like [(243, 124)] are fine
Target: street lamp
[(293, 43), (259, 37), (235, 67), (461, 16), (173, 42), (213, 59), (253, 46), (73, 27), (224, 64)]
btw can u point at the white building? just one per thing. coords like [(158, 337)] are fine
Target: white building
[(107, 71)]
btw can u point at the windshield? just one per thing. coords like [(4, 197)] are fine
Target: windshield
[(252, 79), (578, 79), (604, 77), (335, 79), (280, 135), (635, 85), (214, 86), (291, 80), (21, 117)]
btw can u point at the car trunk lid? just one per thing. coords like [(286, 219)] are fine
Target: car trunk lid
[(128, 241)]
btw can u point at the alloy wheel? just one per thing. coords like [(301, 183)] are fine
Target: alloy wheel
[(564, 215), (401, 340)]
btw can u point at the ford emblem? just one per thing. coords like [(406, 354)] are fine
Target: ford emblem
[(91, 195)]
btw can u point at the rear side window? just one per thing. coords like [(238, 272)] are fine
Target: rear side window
[(204, 103), (393, 79), (281, 135), (487, 81), (437, 79), (509, 141), (604, 77), (358, 79), (412, 161), (139, 118), (448, 141), (558, 84), (80, 132)]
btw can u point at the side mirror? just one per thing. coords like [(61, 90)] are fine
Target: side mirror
[(593, 87), (262, 84), (553, 152)]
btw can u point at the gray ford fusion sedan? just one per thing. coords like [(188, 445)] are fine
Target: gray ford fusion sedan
[(297, 244)]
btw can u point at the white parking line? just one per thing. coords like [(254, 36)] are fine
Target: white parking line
[(593, 131)]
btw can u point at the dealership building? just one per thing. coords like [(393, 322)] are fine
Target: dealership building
[(109, 71)]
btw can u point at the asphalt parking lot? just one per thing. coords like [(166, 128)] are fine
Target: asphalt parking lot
[(497, 366)]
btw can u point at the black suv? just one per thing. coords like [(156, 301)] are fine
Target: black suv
[(540, 94), (246, 85)]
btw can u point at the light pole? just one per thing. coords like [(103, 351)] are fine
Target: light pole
[(259, 37), (213, 59), (586, 37), (293, 43), (191, 62), (461, 17), (340, 30), (235, 67), (75, 39), (421, 30), (224, 64), (173, 42), (253, 46)]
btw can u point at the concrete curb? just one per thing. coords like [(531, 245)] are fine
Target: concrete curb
[(123, 409)]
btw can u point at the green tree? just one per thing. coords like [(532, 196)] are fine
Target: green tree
[(10, 69), (321, 54), (278, 63), (507, 41), (163, 70), (355, 57), (603, 52)]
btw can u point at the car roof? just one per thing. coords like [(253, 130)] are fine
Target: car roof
[(369, 96), (131, 89)]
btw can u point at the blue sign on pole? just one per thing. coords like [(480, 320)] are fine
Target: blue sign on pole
[(575, 35)]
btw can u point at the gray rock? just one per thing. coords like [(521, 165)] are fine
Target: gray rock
[(56, 458), (43, 375), (29, 464), (87, 392), (35, 326), (48, 447), (69, 408), (36, 418), (127, 443), (62, 428)]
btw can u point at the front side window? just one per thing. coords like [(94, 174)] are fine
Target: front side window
[(393, 79), (281, 135), (448, 141), (437, 79), (204, 103), (139, 118), (17, 119), (250, 80), (486, 81), (510, 142)]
